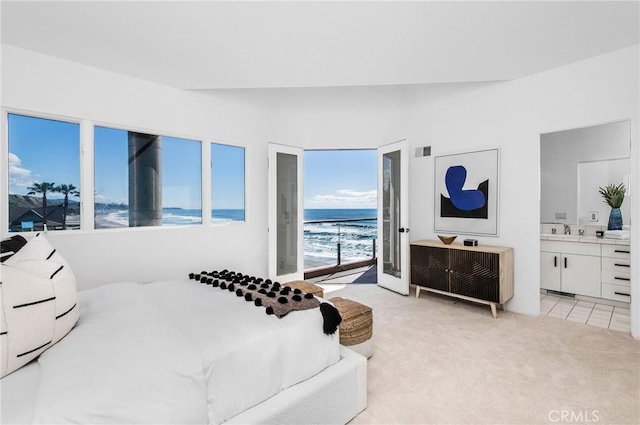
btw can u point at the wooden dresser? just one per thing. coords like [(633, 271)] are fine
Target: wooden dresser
[(482, 274)]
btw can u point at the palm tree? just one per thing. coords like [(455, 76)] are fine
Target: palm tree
[(67, 189), (42, 188)]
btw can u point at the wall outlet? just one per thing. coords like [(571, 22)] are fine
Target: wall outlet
[(561, 216), (593, 216)]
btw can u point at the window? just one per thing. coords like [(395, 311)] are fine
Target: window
[(146, 180), (227, 183), (44, 174)]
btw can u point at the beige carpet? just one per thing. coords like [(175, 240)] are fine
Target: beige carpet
[(439, 360)]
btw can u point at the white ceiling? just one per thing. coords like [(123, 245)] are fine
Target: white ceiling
[(209, 45)]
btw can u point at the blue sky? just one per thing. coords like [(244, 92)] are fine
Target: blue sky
[(42, 150), (181, 169), (227, 176), (340, 179)]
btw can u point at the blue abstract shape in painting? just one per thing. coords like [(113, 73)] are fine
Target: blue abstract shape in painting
[(465, 200)]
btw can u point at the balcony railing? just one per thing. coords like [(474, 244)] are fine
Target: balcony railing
[(339, 243)]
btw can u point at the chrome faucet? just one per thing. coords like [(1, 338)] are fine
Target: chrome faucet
[(567, 229)]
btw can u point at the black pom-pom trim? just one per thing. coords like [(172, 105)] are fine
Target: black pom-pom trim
[(231, 287), (297, 291), (269, 310), (296, 298), (283, 300), (209, 281), (308, 295), (252, 287), (271, 295), (223, 285), (258, 302), (239, 292), (203, 279), (248, 296), (268, 281), (197, 277), (215, 283), (192, 275), (262, 291), (264, 285), (285, 292)]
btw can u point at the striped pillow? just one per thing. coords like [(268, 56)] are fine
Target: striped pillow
[(39, 303)]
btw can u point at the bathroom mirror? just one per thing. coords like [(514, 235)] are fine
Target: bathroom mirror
[(574, 164)]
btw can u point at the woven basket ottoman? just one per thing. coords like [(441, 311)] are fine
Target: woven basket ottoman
[(305, 286), (356, 329)]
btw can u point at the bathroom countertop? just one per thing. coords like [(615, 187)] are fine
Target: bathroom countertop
[(583, 239)]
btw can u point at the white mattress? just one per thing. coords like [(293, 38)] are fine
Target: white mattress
[(174, 352)]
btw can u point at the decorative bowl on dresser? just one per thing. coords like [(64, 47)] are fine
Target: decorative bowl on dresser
[(482, 274)]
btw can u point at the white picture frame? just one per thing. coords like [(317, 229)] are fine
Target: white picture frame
[(471, 176)]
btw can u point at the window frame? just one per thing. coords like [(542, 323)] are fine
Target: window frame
[(210, 190), (87, 172), (160, 133), (4, 159)]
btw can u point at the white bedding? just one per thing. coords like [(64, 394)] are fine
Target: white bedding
[(174, 352)]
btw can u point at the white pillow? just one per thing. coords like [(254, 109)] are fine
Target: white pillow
[(39, 303)]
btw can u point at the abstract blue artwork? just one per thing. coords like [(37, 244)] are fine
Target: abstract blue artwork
[(469, 203), (466, 193)]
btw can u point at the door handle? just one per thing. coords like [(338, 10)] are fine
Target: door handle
[(403, 230), (565, 262), (555, 261), (622, 265)]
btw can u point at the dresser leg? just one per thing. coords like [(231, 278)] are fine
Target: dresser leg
[(417, 291), (494, 313)]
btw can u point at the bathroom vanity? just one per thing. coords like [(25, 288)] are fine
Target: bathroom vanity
[(586, 265)]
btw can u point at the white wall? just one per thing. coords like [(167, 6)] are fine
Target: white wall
[(458, 118), (41, 84), (450, 118)]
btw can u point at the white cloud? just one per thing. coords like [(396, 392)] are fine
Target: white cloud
[(345, 198), (19, 177)]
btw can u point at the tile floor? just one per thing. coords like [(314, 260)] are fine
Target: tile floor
[(590, 313)]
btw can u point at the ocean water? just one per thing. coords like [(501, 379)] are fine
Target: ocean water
[(355, 237), (112, 218), (320, 238)]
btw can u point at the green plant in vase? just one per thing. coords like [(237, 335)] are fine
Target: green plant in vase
[(613, 196)]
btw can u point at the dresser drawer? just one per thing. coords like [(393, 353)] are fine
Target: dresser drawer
[(616, 264), (616, 292), (616, 278), (616, 251)]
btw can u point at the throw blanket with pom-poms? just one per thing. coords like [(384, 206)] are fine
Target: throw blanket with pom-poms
[(278, 300)]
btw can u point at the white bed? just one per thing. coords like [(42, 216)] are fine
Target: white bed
[(184, 352)]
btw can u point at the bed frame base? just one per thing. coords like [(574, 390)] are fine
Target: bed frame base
[(334, 396)]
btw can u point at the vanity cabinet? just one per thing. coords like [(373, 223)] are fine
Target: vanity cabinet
[(570, 267), (482, 274), (616, 272)]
